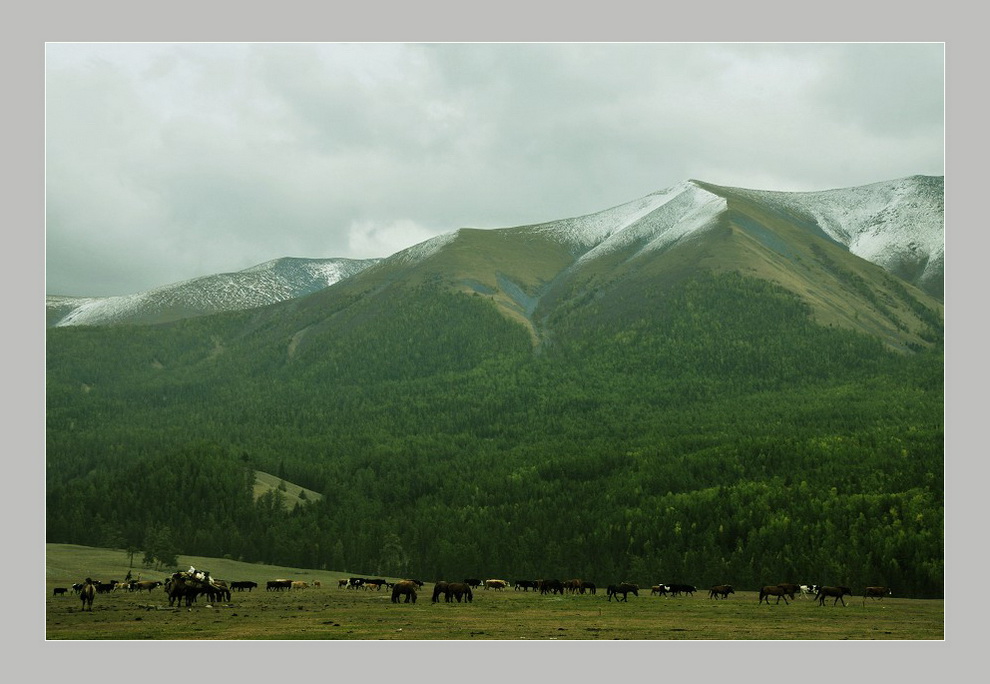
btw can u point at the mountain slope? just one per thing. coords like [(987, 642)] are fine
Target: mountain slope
[(267, 283), (805, 242)]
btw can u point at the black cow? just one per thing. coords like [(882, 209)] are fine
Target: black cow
[(678, 589), (551, 586), (278, 585), (241, 586), (525, 585), (59, 591)]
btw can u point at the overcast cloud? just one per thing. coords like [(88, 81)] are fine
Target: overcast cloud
[(170, 161)]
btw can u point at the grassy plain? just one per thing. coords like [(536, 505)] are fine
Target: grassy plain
[(331, 613)]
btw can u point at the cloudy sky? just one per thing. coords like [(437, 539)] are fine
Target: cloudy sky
[(167, 161)]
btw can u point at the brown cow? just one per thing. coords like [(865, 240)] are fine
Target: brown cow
[(145, 585), (722, 590), (496, 584), (875, 593)]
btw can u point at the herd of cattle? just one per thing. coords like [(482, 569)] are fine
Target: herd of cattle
[(184, 588)]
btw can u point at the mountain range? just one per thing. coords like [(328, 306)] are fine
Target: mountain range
[(802, 240), (707, 384)]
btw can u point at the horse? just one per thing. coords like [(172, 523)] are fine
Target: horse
[(459, 590), (791, 589), (405, 588), (722, 590), (589, 587), (86, 593), (837, 592), (774, 590), (573, 586), (875, 593), (439, 588), (624, 588)]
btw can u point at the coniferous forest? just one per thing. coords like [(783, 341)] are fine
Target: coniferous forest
[(706, 432)]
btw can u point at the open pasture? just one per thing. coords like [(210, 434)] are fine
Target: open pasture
[(330, 612)]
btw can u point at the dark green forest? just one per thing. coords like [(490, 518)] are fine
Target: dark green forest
[(708, 432)]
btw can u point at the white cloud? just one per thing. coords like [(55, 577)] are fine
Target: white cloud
[(168, 161)]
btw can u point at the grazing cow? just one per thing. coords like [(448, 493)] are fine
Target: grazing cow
[(722, 590), (623, 588), (439, 588), (496, 584), (405, 588), (459, 590), (59, 591), (241, 586), (872, 592), (773, 590), (87, 592), (278, 585), (299, 585), (837, 592)]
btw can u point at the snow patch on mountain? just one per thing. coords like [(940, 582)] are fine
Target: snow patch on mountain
[(267, 283), (685, 211), (592, 230), (898, 224)]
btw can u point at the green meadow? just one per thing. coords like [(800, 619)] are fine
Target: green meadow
[(329, 612)]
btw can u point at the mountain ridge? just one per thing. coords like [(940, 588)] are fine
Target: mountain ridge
[(896, 225)]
